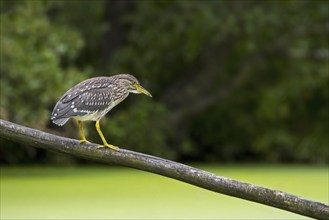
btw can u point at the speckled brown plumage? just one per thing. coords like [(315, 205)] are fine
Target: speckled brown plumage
[(91, 99), (96, 95)]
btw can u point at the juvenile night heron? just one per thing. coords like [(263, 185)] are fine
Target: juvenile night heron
[(91, 99)]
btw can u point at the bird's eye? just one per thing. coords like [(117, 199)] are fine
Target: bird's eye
[(133, 85)]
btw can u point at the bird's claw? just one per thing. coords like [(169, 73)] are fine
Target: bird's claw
[(108, 146), (84, 141)]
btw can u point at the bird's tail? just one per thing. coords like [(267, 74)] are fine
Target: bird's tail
[(60, 121)]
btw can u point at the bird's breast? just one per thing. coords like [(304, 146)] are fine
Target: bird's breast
[(87, 117)]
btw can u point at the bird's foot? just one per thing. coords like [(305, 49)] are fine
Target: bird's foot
[(84, 141), (109, 146)]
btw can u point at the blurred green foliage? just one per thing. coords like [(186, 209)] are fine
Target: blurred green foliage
[(32, 49), (232, 80)]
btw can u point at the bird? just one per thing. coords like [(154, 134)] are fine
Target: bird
[(92, 99)]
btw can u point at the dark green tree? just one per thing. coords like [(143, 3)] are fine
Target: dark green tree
[(232, 80)]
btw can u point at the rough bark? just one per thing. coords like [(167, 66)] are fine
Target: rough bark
[(166, 168)]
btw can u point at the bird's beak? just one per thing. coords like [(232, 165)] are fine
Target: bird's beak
[(140, 89)]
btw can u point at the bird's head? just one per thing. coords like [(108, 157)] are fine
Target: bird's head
[(132, 84)]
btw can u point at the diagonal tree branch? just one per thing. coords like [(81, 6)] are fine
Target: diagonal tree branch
[(166, 168)]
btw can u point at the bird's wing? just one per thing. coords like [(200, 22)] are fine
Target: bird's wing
[(85, 86), (85, 101)]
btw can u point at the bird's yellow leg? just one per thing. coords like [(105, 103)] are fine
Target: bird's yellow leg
[(82, 133), (103, 138)]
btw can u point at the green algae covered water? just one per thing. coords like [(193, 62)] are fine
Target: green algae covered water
[(110, 192)]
